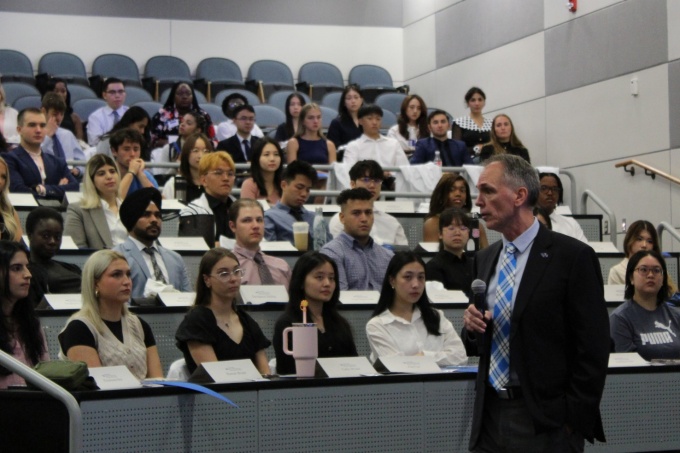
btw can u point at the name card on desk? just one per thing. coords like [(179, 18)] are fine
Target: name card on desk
[(277, 246), (177, 299), (261, 294), (172, 204), (22, 199), (432, 247), (227, 371), (603, 247), (407, 364), (114, 378), (73, 197), (626, 359), (443, 296), (324, 207), (182, 244), (396, 207), (64, 301), (359, 297), (337, 367), (614, 293)]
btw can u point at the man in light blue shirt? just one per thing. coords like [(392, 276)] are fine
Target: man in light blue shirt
[(361, 262)]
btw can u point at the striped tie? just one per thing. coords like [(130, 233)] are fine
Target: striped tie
[(499, 371)]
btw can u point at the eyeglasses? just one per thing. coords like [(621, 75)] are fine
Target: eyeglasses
[(226, 275), (112, 92), (222, 173), (644, 271), (367, 180), (461, 228), (554, 189), (248, 119)]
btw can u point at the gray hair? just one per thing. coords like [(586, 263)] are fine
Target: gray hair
[(518, 173)]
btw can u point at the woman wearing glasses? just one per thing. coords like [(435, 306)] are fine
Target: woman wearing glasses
[(645, 323), (641, 235), (549, 197), (215, 329), (452, 265)]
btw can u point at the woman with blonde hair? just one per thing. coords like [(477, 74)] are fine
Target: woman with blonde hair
[(104, 332), (503, 140), (94, 223), (10, 225), (309, 144)]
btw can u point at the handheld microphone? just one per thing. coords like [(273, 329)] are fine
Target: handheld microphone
[(478, 289)]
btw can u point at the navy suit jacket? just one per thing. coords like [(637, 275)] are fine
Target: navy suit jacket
[(25, 176), (233, 146), (559, 335), (456, 157)]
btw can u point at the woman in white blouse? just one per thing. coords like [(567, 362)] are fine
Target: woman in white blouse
[(411, 123), (405, 323), (94, 223)]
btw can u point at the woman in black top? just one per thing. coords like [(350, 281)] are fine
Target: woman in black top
[(215, 329), (315, 280), (285, 131), (473, 128), (503, 140), (345, 127)]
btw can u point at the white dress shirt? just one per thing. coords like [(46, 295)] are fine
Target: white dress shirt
[(390, 335), (147, 258), (69, 142), (567, 226), (101, 121), (386, 151), (118, 232), (386, 229), (406, 144), (227, 129)]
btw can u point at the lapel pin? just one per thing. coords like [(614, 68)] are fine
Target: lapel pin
[(544, 254)]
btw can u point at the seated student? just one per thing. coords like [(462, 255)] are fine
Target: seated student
[(411, 123), (287, 129), (371, 145), (136, 118), (361, 262), (126, 146), (240, 145), (227, 128), (405, 323), (346, 127), (45, 227), (246, 220), (503, 140), (103, 119), (217, 172), (266, 169), (93, 222), (641, 235), (10, 225), (543, 217), (181, 100), (215, 328), (550, 195), (20, 333), (190, 124), (309, 144), (58, 141), (645, 323), (71, 120), (452, 265), (315, 280), (453, 153), (30, 169), (298, 179), (104, 332), (140, 212), (386, 229), (195, 146)]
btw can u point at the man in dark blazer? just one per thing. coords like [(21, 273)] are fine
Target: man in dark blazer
[(31, 170), (452, 152), (240, 145), (558, 326)]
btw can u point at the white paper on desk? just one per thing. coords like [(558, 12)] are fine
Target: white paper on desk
[(73, 197), (409, 364), (423, 208), (184, 243), (232, 371), (261, 294), (324, 207), (64, 301), (172, 204), (432, 247), (264, 204), (336, 367), (114, 378), (395, 207), (626, 359), (177, 299), (614, 293), (359, 297), (22, 199), (277, 246), (603, 247), (444, 296)]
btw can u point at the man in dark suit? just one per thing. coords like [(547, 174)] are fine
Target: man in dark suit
[(543, 358), (452, 152), (31, 170), (240, 145)]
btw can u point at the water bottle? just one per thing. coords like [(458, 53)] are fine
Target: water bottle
[(180, 189), (319, 229), (437, 159)]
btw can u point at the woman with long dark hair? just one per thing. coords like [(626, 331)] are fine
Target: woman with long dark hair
[(405, 323), (473, 128), (190, 124), (314, 279), (135, 118), (289, 128), (345, 127), (266, 169), (20, 333), (71, 120), (194, 147), (182, 99), (411, 123)]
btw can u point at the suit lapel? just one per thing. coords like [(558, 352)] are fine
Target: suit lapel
[(99, 221), (137, 256), (30, 164)]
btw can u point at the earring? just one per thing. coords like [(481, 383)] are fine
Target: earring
[(96, 293)]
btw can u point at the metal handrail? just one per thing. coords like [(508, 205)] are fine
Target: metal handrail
[(572, 186), (667, 227), (612, 217), (649, 170), (54, 390)]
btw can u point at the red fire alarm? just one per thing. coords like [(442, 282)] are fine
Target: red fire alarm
[(572, 6)]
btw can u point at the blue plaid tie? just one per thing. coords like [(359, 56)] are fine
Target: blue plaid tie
[(499, 372)]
